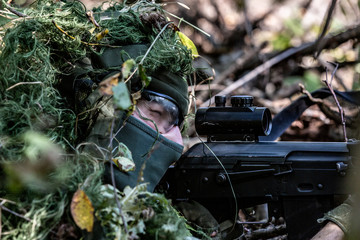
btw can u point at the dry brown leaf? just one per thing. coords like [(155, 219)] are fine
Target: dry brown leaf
[(107, 84), (82, 210)]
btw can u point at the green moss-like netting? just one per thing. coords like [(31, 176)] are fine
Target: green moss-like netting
[(35, 50)]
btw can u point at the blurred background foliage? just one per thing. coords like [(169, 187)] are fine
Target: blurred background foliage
[(245, 34)]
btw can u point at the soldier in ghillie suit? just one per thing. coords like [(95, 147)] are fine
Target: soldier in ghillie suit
[(106, 90)]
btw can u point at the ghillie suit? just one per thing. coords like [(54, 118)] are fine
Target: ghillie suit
[(50, 189)]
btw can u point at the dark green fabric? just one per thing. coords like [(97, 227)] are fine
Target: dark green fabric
[(115, 57), (162, 81), (172, 85), (154, 158), (340, 215)]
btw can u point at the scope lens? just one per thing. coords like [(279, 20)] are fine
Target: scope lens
[(267, 122)]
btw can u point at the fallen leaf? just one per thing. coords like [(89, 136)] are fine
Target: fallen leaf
[(82, 210)]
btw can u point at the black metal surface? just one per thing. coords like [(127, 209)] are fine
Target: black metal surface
[(287, 175)]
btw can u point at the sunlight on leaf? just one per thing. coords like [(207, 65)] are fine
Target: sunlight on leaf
[(82, 210), (123, 159), (127, 66), (188, 43), (124, 164)]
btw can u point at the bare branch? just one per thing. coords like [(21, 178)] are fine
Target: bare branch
[(341, 110), (14, 213), (260, 69), (113, 177), (319, 44), (304, 91), (329, 42)]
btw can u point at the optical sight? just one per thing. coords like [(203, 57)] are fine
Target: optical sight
[(241, 121)]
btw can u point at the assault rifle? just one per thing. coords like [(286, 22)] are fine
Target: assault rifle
[(234, 169)]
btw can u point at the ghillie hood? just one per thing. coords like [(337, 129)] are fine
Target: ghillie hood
[(41, 45)]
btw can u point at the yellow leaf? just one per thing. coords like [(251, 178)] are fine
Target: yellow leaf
[(82, 210), (188, 43), (102, 34), (92, 30)]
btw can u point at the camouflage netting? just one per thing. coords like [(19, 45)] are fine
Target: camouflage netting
[(40, 165)]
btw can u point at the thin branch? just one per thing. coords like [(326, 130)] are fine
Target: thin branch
[(0, 223), (147, 52), (23, 83), (14, 213), (19, 14), (330, 66), (113, 177), (304, 91), (258, 70), (319, 44), (193, 26), (330, 42), (341, 110)]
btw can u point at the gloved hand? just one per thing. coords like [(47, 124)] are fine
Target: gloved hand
[(200, 217), (340, 215)]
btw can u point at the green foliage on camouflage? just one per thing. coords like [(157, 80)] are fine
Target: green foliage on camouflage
[(147, 215), (34, 51)]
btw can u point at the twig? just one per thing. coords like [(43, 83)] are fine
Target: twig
[(14, 213), (0, 223), (304, 91), (72, 37), (22, 83), (260, 69), (340, 80), (329, 42), (91, 18), (19, 14), (113, 178), (147, 52), (18, 215), (319, 44), (238, 64), (193, 26), (341, 110)]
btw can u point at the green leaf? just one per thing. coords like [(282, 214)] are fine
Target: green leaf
[(144, 78), (295, 27), (124, 164), (281, 42), (127, 67), (121, 96), (311, 81)]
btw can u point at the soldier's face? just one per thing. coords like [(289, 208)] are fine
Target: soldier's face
[(158, 118)]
